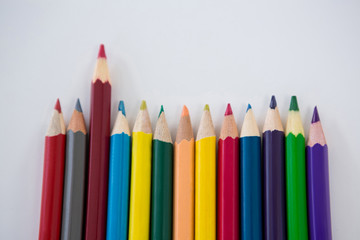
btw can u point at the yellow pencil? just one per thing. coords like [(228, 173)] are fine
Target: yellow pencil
[(139, 220), (205, 179)]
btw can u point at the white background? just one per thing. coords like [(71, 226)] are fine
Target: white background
[(189, 52)]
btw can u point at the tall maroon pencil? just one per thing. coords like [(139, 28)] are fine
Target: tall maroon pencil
[(95, 227), (318, 182), (228, 179)]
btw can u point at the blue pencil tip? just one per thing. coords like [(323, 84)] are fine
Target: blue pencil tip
[(315, 117), (78, 106), (273, 103), (122, 107), (248, 107)]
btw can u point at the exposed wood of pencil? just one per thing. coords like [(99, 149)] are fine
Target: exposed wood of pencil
[(121, 125), (142, 122), (206, 127), (250, 127), (229, 128), (316, 133), (162, 132), (273, 121), (101, 70), (77, 122)]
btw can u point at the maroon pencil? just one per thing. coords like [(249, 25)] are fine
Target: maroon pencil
[(95, 227)]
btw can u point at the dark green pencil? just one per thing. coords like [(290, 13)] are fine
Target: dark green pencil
[(162, 181)]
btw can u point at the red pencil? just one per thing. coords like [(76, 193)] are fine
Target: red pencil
[(99, 150), (228, 179), (52, 188)]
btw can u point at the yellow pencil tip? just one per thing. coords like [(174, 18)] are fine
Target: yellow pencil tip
[(206, 108), (143, 105)]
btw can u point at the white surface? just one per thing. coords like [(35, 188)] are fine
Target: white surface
[(190, 52)]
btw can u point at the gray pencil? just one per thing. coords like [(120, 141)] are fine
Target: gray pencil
[(74, 185)]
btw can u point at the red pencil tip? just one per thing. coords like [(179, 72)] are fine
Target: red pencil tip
[(102, 52), (228, 110), (57, 106)]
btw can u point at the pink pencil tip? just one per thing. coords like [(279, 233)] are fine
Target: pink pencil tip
[(102, 52), (57, 106), (228, 110)]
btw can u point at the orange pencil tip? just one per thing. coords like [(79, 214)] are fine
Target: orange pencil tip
[(102, 52), (57, 106), (185, 111)]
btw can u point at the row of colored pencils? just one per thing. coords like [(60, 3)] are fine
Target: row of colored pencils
[(141, 185)]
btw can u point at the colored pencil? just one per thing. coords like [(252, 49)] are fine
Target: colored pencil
[(162, 180), (250, 183), (184, 180), (318, 182), (75, 173), (53, 176), (205, 179), (119, 178), (139, 219), (98, 173), (295, 175), (274, 175), (228, 179)]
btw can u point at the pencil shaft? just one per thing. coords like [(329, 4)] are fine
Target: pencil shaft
[(119, 187), (318, 192), (162, 185), (139, 219), (274, 185), (205, 189), (74, 186), (98, 160), (228, 189), (296, 187), (52, 188), (251, 202), (184, 181)]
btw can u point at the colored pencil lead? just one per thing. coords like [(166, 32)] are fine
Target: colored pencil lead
[(206, 108), (228, 110), (185, 111), (294, 104), (273, 103), (102, 51), (78, 106), (57, 106), (248, 107), (143, 105), (161, 110), (122, 107), (315, 117)]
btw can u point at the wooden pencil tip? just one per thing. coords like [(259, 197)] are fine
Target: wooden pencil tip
[(78, 106), (294, 104), (248, 107), (122, 107), (57, 106), (185, 111), (315, 117), (102, 51), (206, 108), (143, 105), (273, 103), (228, 110), (161, 110)]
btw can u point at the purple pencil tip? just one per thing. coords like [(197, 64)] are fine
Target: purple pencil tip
[(315, 117)]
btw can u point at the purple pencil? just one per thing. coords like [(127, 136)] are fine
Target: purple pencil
[(318, 182)]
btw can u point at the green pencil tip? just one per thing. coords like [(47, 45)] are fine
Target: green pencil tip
[(294, 104), (143, 105), (206, 108), (161, 110)]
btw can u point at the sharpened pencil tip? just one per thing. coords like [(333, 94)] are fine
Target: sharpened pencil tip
[(248, 107), (161, 110), (294, 104), (102, 51), (185, 111), (228, 110), (143, 105), (315, 117), (78, 106), (57, 106), (122, 107), (206, 108), (273, 102)]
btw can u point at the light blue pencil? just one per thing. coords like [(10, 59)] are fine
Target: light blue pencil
[(119, 178)]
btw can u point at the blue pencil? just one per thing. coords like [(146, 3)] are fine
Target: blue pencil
[(119, 178), (250, 184)]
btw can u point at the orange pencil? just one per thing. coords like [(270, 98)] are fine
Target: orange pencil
[(183, 222)]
